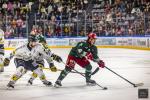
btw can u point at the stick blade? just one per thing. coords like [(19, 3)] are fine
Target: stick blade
[(139, 84)]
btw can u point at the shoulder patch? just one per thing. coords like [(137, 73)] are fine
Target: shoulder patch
[(81, 43)]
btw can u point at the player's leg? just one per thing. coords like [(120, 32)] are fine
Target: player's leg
[(1, 64), (42, 77), (62, 75), (88, 69), (1, 59), (69, 66), (20, 71), (89, 81), (34, 75)]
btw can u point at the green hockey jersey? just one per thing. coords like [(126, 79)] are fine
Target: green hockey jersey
[(82, 48)]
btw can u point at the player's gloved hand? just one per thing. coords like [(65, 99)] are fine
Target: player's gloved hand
[(89, 56), (53, 68), (56, 58), (40, 66), (45, 46), (101, 63), (6, 62)]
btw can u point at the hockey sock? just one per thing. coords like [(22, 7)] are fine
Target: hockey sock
[(42, 77), (64, 73), (33, 76), (88, 69), (15, 77), (39, 72), (1, 63)]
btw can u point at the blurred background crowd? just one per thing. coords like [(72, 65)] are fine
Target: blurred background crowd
[(72, 18)]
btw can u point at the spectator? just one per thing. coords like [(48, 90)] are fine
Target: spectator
[(55, 17)]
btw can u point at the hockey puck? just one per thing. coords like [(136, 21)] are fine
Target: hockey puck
[(105, 88), (135, 86)]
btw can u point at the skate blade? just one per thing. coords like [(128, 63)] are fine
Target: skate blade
[(88, 84), (139, 84), (49, 85), (28, 84), (9, 88), (57, 86), (1, 71)]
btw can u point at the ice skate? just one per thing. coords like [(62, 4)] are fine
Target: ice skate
[(30, 81), (90, 82), (2, 69), (57, 84), (47, 83), (10, 85)]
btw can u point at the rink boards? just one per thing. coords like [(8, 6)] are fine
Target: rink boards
[(101, 42)]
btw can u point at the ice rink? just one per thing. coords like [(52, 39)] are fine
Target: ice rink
[(131, 64)]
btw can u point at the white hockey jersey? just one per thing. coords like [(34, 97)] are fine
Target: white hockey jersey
[(21, 52), (39, 52)]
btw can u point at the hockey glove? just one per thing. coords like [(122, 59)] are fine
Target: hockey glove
[(56, 58), (101, 63), (37, 65), (89, 56), (40, 66), (6, 62), (53, 68)]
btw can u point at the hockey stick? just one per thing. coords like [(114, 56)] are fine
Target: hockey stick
[(61, 70), (94, 72), (104, 88), (49, 69), (134, 85)]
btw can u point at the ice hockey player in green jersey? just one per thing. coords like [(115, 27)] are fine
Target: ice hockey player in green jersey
[(79, 54)]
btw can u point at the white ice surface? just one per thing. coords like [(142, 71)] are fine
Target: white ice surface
[(134, 65)]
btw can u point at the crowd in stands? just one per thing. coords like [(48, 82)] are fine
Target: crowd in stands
[(124, 18), (75, 17)]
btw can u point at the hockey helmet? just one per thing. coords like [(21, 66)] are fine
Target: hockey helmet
[(32, 38), (92, 36)]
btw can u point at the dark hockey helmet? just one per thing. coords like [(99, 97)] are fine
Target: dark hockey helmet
[(41, 39), (92, 36), (32, 38)]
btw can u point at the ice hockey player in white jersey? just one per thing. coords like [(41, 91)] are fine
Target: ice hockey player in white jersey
[(40, 58), (25, 58), (1, 49)]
